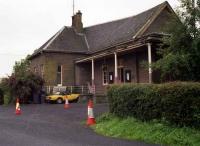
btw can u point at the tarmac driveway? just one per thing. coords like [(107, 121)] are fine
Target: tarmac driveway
[(52, 125)]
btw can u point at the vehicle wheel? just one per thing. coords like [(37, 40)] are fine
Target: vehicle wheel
[(76, 100), (59, 100)]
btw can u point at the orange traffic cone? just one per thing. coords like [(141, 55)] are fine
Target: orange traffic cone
[(91, 119), (17, 111), (66, 106)]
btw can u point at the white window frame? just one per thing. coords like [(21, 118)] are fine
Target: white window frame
[(61, 75)]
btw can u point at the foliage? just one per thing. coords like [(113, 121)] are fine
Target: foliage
[(177, 103), (25, 87), (1, 96), (1, 92), (21, 68), (150, 132), (22, 83), (6, 91), (181, 54)]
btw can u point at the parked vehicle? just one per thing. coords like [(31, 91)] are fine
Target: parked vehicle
[(59, 97)]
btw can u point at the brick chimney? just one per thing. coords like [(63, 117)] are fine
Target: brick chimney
[(77, 22)]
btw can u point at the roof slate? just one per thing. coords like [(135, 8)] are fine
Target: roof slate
[(98, 37), (108, 34)]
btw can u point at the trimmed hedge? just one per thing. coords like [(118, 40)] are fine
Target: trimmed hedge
[(177, 102)]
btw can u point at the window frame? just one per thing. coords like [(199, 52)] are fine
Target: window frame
[(60, 75), (104, 75)]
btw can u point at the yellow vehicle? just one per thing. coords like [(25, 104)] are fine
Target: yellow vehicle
[(60, 97)]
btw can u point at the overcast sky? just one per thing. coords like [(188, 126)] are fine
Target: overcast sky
[(26, 24)]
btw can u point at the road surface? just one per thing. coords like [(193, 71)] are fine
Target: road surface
[(52, 125)]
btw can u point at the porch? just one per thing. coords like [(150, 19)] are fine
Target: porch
[(118, 66)]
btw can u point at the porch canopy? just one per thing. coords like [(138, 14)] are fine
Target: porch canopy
[(136, 44)]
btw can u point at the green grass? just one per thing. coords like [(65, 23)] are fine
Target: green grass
[(150, 132)]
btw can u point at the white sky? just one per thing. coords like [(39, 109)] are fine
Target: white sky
[(26, 24)]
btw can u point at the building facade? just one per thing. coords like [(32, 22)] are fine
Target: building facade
[(104, 54)]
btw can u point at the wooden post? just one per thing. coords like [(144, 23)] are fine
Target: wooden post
[(92, 72), (82, 89), (93, 85), (71, 89), (116, 73), (150, 62)]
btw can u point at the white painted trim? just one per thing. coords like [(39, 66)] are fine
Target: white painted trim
[(106, 53), (116, 73), (86, 41), (151, 20), (61, 75), (92, 69), (150, 62)]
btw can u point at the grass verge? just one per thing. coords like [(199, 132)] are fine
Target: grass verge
[(150, 132)]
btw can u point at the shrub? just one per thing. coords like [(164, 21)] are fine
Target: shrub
[(1, 96), (177, 103), (7, 97)]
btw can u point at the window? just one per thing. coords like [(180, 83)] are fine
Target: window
[(35, 70), (104, 75), (128, 76), (59, 75), (111, 78)]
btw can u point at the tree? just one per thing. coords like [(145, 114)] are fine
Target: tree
[(22, 83), (180, 53), (21, 68)]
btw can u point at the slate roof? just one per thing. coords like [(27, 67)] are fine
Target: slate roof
[(98, 37), (65, 40), (108, 34)]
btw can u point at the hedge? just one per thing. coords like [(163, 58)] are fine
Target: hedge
[(177, 102)]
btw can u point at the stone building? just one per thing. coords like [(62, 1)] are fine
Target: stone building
[(104, 54)]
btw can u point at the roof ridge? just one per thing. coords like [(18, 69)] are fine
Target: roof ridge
[(84, 37), (52, 39), (159, 5), (152, 18)]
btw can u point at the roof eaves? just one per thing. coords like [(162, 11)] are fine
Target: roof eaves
[(34, 55), (151, 20), (111, 46), (64, 51), (85, 39), (51, 41)]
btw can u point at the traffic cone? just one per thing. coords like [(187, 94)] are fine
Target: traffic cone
[(66, 106), (17, 111), (91, 119)]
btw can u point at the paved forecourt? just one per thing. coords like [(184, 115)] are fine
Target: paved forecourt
[(52, 125)]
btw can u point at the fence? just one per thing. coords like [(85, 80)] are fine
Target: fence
[(70, 89)]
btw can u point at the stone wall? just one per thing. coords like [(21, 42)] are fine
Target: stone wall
[(51, 62)]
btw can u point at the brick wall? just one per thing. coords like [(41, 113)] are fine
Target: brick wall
[(51, 61)]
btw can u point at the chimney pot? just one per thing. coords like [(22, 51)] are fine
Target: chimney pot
[(77, 22)]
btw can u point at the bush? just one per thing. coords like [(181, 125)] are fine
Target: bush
[(7, 96), (1, 97), (177, 103)]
